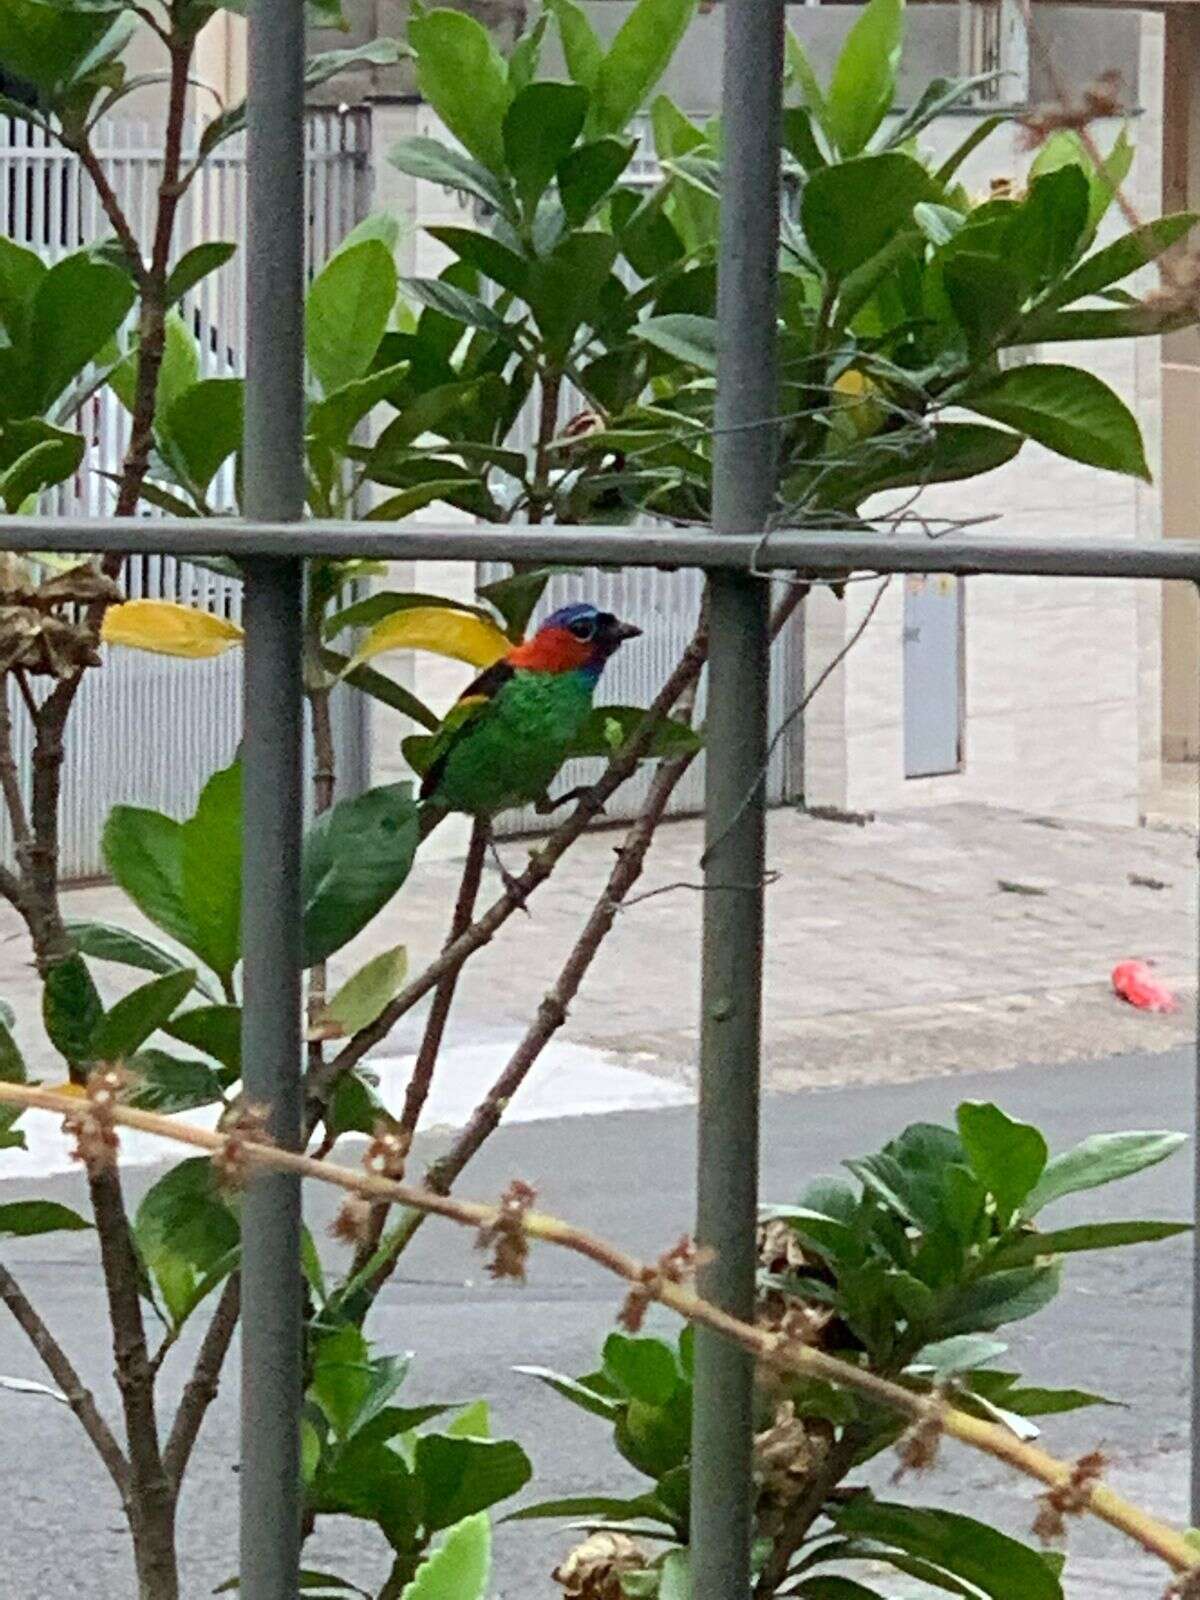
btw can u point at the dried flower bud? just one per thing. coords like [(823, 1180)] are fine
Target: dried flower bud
[(1068, 1499), (679, 1264), (353, 1221), (505, 1236), (785, 1455), (92, 1127), (248, 1126), (387, 1152), (918, 1445), (1100, 99), (593, 1570)]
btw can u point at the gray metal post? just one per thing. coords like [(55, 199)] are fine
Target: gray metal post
[(272, 1374), (1195, 1356), (736, 740)]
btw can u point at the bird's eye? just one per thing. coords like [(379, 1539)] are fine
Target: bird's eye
[(584, 630)]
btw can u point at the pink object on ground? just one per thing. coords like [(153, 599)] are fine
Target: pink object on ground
[(1134, 982)]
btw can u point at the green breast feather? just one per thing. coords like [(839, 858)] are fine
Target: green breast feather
[(506, 751)]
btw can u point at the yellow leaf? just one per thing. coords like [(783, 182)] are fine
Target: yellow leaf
[(441, 630), (168, 629), (856, 393)]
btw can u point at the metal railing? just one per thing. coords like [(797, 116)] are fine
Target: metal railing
[(737, 559)]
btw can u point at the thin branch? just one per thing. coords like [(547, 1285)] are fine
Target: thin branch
[(320, 1083), (113, 210), (10, 779), (421, 1081), (202, 1387), (655, 1282), (57, 1363)]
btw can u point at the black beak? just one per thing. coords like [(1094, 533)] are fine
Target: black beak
[(626, 630)]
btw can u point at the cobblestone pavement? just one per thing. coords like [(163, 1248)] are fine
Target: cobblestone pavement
[(961, 938)]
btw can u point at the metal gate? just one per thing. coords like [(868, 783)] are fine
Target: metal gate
[(147, 728)]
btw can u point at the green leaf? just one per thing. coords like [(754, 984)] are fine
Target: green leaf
[(939, 96), (864, 79), (1008, 1157), (196, 264), (463, 77), (78, 306), (540, 126), (348, 309), (211, 871), (526, 55), (168, 1084), (187, 1234), (134, 1018), (356, 856), (607, 728), (461, 1476), (1088, 1236), (947, 1358), (332, 420), (830, 1587), (1118, 260), (516, 597), (985, 296), (143, 851), (1068, 410), (487, 255), (46, 45), (216, 1031), (688, 338), (851, 210), (802, 77), (581, 48), (643, 1369), (565, 286), (435, 162), (636, 60), (203, 427), (1049, 226), (999, 1566), (1102, 1159), (22, 1219), (362, 997), (21, 273), (367, 680), (591, 1507), (104, 941), (588, 175), (960, 153), (579, 1394), (71, 1008), (459, 1569), (999, 1298), (342, 1377), (53, 461)]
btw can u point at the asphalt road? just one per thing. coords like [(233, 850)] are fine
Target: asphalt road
[(1120, 1327)]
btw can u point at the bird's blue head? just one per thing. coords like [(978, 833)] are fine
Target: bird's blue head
[(575, 638)]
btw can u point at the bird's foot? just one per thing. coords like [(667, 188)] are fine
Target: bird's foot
[(513, 887), (583, 791)]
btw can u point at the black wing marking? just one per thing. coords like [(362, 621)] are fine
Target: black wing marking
[(485, 688)]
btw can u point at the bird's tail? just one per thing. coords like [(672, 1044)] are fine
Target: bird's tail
[(428, 817)]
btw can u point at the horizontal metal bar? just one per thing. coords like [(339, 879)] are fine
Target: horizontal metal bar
[(822, 554)]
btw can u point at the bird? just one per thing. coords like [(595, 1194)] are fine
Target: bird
[(503, 741)]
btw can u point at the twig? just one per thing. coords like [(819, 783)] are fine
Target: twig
[(201, 1388), (651, 1282), (421, 1081), (56, 1362)]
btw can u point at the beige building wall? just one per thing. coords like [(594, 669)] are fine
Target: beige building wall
[(1060, 675)]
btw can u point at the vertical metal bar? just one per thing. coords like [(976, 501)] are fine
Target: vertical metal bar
[(1195, 1353), (272, 1374), (736, 741)]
